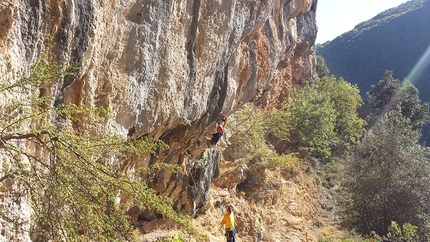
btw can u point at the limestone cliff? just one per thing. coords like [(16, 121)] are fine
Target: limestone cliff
[(167, 68)]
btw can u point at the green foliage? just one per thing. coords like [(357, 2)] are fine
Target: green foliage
[(332, 240), (313, 120), (396, 233), (322, 69), (185, 121), (325, 112), (388, 178), (318, 114), (250, 143), (329, 173), (325, 240), (345, 99), (407, 232), (288, 162), (391, 93), (250, 134), (278, 125), (74, 177), (175, 238)]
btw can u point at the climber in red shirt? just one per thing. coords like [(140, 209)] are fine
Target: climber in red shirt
[(214, 138)]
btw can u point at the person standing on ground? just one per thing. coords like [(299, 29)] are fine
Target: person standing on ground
[(214, 138), (228, 222)]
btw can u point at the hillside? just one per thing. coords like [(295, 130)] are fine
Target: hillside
[(395, 39)]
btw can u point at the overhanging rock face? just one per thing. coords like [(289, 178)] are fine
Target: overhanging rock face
[(167, 68)]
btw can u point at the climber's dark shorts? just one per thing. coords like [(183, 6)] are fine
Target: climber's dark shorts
[(230, 235)]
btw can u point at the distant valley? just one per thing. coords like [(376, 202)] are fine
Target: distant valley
[(397, 39)]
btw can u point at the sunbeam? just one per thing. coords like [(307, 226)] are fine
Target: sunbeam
[(420, 67)]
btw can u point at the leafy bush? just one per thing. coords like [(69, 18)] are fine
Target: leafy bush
[(288, 162), (322, 69), (313, 119), (251, 131), (387, 178), (319, 115), (249, 134), (330, 173), (175, 238)]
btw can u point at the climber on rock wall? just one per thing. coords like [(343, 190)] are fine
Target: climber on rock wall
[(214, 138)]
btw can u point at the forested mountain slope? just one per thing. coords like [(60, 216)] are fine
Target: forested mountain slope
[(395, 39)]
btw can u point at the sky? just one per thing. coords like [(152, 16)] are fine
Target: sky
[(335, 17)]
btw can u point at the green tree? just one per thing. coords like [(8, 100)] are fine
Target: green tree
[(249, 134), (345, 99), (322, 69), (407, 232), (313, 118), (387, 178), (72, 177), (323, 113), (390, 93), (250, 138)]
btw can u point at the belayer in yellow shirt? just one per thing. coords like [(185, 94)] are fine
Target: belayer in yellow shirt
[(228, 221)]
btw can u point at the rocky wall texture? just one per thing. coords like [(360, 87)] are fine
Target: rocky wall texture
[(167, 68)]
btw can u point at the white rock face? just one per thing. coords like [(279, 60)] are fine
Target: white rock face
[(156, 63)]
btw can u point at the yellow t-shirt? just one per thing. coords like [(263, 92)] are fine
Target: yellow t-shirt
[(229, 220)]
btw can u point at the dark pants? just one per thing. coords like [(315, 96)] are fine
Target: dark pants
[(230, 235)]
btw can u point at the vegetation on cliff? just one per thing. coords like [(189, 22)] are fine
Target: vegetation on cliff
[(63, 159), (379, 170)]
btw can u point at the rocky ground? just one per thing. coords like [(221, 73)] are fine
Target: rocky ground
[(271, 205)]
